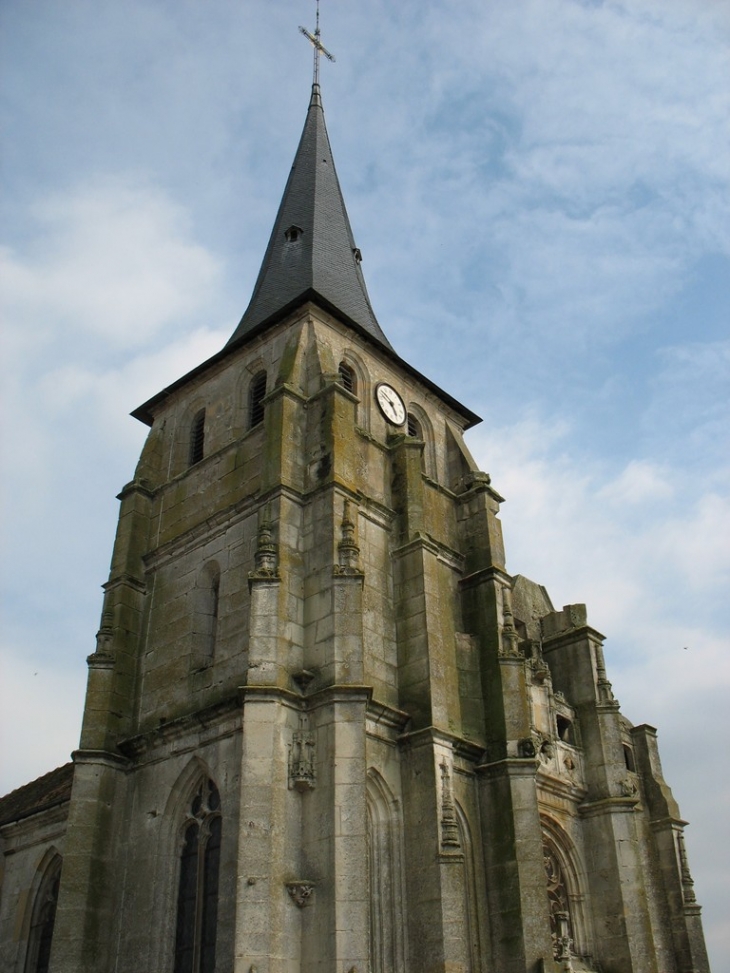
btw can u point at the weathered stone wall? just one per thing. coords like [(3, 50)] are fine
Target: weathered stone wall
[(421, 764), (27, 849)]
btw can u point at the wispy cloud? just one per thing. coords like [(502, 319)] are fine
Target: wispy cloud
[(113, 260)]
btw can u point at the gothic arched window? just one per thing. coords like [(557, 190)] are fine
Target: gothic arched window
[(43, 919), (197, 438), (197, 900), (347, 377), (257, 393), (385, 876)]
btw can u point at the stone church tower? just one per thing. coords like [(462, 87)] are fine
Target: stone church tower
[(325, 730)]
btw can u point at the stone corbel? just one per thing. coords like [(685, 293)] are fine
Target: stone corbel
[(301, 892)]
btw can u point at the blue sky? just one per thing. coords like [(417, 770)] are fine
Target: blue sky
[(540, 190)]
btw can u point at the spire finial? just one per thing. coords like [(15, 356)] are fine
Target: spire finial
[(318, 46)]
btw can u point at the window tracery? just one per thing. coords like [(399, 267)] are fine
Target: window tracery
[(197, 902), (561, 926)]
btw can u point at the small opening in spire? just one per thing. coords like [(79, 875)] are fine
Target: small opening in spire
[(293, 233)]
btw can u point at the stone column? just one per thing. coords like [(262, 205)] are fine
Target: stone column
[(268, 921), (439, 930), (84, 930), (92, 871), (336, 930)]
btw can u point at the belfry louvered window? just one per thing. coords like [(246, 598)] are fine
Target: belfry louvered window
[(197, 902), (197, 438), (347, 377), (414, 427), (256, 399)]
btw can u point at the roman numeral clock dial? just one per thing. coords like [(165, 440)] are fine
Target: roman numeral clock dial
[(390, 404)]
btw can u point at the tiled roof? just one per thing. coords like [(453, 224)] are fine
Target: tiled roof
[(311, 254), (45, 792)]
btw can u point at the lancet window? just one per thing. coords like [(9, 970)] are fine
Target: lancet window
[(43, 919), (197, 902)]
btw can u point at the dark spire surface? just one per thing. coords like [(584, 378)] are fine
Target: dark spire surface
[(311, 254)]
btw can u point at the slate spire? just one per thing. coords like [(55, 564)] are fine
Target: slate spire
[(311, 254)]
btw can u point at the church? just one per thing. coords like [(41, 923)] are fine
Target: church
[(325, 730)]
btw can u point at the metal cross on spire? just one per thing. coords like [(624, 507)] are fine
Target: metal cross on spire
[(318, 46)]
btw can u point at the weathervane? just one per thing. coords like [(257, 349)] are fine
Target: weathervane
[(318, 46)]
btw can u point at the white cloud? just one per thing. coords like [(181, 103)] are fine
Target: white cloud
[(574, 154), (641, 481), (113, 259)]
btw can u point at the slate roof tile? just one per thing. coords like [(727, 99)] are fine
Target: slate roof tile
[(39, 795)]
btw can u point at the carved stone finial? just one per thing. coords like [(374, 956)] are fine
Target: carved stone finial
[(300, 891), (510, 645), (104, 635), (605, 691), (688, 890), (449, 825), (265, 556), (563, 940), (560, 921), (348, 553)]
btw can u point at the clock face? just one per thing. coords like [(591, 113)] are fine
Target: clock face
[(391, 404)]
